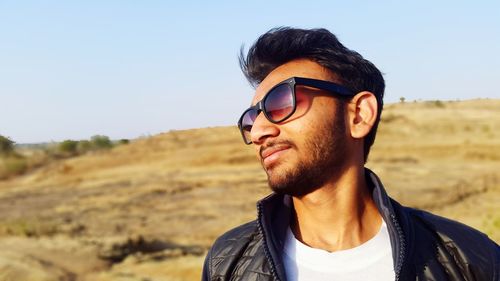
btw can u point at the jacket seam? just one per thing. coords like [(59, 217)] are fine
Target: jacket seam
[(210, 265), (242, 251)]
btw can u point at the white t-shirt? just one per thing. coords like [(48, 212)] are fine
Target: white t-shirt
[(371, 260)]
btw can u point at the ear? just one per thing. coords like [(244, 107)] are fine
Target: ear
[(362, 114)]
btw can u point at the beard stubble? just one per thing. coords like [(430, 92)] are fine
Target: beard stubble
[(325, 152)]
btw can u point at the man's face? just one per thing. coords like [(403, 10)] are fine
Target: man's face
[(300, 154)]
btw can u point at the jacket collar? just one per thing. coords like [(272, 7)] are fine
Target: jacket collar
[(274, 214)]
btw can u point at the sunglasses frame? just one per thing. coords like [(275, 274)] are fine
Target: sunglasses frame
[(334, 88)]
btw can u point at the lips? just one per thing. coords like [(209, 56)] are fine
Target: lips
[(271, 153)]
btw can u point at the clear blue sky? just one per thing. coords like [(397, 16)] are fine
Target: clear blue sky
[(73, 69)]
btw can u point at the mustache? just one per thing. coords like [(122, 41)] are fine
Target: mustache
[(271, 144)]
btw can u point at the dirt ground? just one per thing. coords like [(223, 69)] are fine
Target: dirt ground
[(151, 209)]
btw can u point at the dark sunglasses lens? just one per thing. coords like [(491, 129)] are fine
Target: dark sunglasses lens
[(247, 122), (279, 103)]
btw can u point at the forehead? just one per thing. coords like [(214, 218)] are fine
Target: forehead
[(296, 68)]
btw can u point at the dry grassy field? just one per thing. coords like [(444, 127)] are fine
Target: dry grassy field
[(149, 210)]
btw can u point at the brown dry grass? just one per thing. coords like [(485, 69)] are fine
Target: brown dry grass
[(149, 210)]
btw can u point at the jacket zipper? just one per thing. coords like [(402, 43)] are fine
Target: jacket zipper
[(402, 246), (266, 249)]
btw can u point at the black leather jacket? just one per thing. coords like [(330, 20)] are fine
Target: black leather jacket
[(424, 246)]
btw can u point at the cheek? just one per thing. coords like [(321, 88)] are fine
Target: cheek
[(303, 105), (301, 132), (319, 120)]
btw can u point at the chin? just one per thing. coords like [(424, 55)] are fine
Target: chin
[(293, 182), (295, 191)]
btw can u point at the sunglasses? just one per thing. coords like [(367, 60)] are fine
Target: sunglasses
[(280, 102)]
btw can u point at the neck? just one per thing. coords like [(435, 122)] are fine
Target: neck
[(340, 215)]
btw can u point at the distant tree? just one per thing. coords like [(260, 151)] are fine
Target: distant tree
[(402, 99), (438, 103), (68, 147), (123, 141), (84, 146), (6, 145), (101, 142)]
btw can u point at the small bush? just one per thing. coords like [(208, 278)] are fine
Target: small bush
[(101, 142), (438, 103), (68, 147), (123, 141), (83, 146), (6, 145)]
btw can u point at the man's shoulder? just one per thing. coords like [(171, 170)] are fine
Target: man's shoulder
[(235, 238), (466, 244), (451, 230), (226, 249)]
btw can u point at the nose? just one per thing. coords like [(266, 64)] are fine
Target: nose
[(263, 129)]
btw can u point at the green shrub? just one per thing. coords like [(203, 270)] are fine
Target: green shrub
[(83, 146), (101, 142), (6, 145), (68, 147), (438, 103), (123, 141)]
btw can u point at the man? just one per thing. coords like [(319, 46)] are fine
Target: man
[(312, 122)]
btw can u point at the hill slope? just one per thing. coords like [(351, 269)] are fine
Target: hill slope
[(150, 209)]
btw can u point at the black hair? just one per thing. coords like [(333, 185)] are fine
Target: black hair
[(283, 44)]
